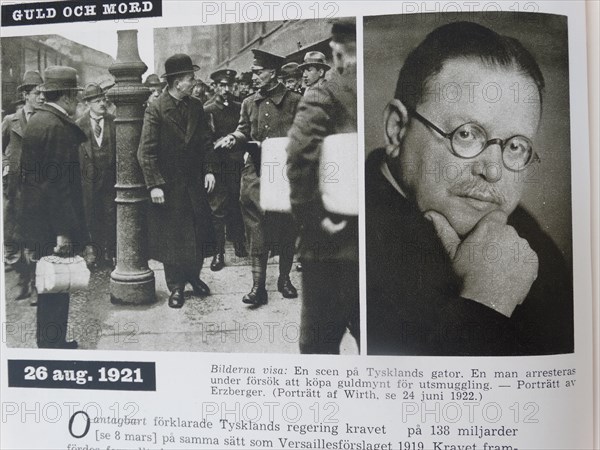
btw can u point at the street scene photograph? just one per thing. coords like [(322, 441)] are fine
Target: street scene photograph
[(182, 189)]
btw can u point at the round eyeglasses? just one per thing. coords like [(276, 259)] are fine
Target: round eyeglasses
[(470, 139)]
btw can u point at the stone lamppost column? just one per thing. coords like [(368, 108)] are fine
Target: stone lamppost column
[(132, 282)]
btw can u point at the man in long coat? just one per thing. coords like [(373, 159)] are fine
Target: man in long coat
[(266, 114), (224, 113), (97, 157), (176, 158), (13, 128), (50, 211), (328, 245)]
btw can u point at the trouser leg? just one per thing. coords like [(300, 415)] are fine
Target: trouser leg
[(175, 276), (329, 305), (52, 317)]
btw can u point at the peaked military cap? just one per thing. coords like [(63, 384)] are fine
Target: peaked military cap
[(224, 74), (31, 79), (266, 60)]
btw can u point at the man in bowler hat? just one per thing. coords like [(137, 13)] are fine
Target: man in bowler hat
[(266, 114), (224, 114), (313, 70), (13, 128), (50, 213), (97, 156), (176, 158)]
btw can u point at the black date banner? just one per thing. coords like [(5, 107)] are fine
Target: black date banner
[(99, 375), (78, 11)]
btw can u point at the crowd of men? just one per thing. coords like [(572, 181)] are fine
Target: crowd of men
[(199, 153)]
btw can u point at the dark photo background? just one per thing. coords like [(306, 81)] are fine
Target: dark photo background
[(389, 39)]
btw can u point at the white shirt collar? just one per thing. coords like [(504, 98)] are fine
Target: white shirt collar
[(385, 170)]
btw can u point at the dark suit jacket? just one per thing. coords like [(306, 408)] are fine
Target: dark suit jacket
[(175, 155), (413, 302), (51, 202)]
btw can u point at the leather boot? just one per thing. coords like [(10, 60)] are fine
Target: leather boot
[(257, 295), (285, 286)]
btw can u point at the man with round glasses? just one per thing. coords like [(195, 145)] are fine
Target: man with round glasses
[(454, 265)]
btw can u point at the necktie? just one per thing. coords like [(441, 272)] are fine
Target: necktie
[(97, 128)]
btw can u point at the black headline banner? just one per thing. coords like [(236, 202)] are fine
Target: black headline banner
[(78, 11), (102, 375)]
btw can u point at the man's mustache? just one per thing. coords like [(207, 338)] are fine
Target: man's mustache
[(479, 190)]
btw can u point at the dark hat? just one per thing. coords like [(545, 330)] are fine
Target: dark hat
[(245, 77), (60, 78), (224, 74), (31, 79), (152, 81), (92, 91), (316, 59), (266, 60), (178, 64), (343, 30), (290, 70)]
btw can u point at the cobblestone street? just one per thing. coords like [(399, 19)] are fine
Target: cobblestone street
[(217, 323)]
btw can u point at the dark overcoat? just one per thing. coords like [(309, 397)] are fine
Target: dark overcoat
[(175, 154), (413, 293), (51, 201), (13, 127), (326, 109), (263, 116), (96, 181)]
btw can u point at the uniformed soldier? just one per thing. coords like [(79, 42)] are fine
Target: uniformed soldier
[(224, 114), (313, 70), (13, 127), (291, 76), (97, 156), (266, 114)]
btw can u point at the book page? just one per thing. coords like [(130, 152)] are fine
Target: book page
[(288, 225)]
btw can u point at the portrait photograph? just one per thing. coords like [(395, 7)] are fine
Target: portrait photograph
[(468, 185)]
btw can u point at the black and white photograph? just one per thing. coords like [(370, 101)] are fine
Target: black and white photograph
[(468, 185), (185, 188)]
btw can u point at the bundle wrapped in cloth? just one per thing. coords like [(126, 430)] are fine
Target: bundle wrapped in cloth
[(56, 274), (338, 175)]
